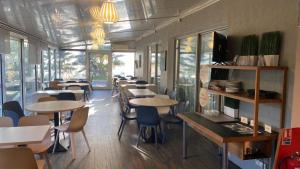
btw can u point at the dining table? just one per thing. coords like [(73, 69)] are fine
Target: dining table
[(23, 135), (72, 84), (55, 107), (57, 92), (142, 93)]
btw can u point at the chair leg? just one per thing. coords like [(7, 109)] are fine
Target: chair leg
[(122, 129), (55, 142), (61, 122), (86, 140), (138, 139), (73, 145), (155, 135), (45, 156)]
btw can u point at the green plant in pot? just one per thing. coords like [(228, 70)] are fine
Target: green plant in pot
[(270, 48), (249, 51)]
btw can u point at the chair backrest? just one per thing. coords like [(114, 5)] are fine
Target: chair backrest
[(141, 82), (17, 158), (6, 122), (37, 120), (74, 87), (71, 81), (13, 106), (66, 96), (50, 88), (13, 115), (79, 119), (172, 95), (147, 115)]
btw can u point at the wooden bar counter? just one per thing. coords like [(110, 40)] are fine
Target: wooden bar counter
[(231, 141)]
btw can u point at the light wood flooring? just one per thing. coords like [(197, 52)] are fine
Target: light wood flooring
[(107, 152)]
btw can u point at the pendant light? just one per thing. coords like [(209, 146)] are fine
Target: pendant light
[(109, 12)]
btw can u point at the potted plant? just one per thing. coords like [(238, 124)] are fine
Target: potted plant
[(270, 48), (249, 51)]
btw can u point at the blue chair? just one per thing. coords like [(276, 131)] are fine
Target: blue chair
[(13, 115), (66, 96), (13, 109), (147, 117), (141, 82)]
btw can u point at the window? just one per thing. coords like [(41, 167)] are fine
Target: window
[(12, 72), (29, 75), (123, 63), (45, 62), (57, 64), (52, 64), (156, 56), (73, 65), (186, 83)]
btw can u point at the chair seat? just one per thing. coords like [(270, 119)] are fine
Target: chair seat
[(40, 164), (131, 116), (41, 147), (64, 127)]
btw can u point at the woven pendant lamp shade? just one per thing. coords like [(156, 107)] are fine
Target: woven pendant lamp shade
[(109, 12)]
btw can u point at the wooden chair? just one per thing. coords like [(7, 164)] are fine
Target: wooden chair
[(54, 85), (6, 122), (77, 123), (75, 87), (19, 158), (40, 148)]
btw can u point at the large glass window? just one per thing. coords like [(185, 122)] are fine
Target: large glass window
[(12, 72), (73, 65), (186, 84), (29, 75), (152, 56), (57, 64), (45, 60), (123, 63), (39, 78), (156, 55), (52, 64)]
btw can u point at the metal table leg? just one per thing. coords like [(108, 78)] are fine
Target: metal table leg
[(225, 156), (184, 142)]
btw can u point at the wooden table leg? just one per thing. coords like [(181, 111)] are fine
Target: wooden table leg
[(225, 156), (184, 141)]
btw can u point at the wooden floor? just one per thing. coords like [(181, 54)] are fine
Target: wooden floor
[(110, 153)]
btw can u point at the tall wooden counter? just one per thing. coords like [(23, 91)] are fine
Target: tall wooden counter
[(229, 140)]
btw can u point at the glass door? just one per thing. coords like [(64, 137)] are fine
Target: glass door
[(186, 82), (101, 70)]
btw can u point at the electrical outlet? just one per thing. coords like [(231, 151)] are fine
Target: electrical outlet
[(252, 123), (244, 120), (268, 128)]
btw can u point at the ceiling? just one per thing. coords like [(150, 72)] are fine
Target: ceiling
[(68, 23)]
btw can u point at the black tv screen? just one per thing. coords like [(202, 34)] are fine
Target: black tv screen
[(220, 48)]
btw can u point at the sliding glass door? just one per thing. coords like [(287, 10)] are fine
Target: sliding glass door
[(13, 73), (186, 80), (29, 76), (101, 70)]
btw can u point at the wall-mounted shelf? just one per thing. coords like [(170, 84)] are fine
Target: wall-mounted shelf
[(256, 100)]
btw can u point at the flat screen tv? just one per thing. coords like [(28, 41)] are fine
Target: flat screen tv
[(220, 48)]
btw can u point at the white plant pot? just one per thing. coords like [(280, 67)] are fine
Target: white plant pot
[(261, 61), (271, 60), (247, 60)]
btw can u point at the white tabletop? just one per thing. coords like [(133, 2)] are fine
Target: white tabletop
[(23, 135), (142, 92), (54, 106)]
